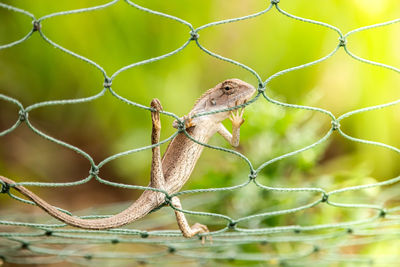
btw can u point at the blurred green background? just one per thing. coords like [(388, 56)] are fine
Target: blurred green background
[(35, 71)]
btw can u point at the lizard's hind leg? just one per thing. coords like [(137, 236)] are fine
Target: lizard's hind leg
[(158, 181), (156, 175), (183, 224)]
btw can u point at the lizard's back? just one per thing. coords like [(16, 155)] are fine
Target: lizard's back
[(182, 154)]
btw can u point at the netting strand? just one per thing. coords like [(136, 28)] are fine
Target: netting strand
[(37, 237)]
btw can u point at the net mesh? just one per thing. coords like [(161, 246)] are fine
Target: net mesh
[(26, 242)]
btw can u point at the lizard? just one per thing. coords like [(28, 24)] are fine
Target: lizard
[(170, 172)]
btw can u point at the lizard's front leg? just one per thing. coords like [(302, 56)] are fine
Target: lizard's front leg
[(237, 120), (183, 224)]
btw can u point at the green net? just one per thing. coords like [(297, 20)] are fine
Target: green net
[(238, 240)]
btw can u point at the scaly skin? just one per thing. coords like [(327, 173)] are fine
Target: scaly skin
[(172, 171)]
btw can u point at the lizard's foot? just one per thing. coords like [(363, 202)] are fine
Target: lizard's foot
[(199, 228), (236, 117), (155, 115), (188, 122), (188, 231)]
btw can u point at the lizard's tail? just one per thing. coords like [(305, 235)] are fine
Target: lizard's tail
[(142, 206)]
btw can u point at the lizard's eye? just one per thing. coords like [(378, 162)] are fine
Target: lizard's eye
[(228, 88)]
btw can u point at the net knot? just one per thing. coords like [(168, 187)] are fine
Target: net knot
[(94, 171), (171, 250), (342, 41), (167, 200), (324, 198), (194, 36), (261, 88), (36, 25), (107, 82), (232, 225), (335, 125), (5, 187), (23, 115), (253, 175), (181, 125), (144, 234), (275, 2), (382, 213)]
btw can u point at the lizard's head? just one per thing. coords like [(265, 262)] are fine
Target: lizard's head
[(224, 95)]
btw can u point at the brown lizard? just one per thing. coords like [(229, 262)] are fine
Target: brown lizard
[(172, 171)]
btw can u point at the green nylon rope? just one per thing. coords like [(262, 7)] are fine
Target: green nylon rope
[(170, 244)]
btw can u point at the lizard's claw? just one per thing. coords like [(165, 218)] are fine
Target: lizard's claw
[(201, 228), (188, 122), (236, 119)]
